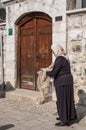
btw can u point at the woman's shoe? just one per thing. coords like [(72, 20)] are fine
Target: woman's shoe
[(62, 124)]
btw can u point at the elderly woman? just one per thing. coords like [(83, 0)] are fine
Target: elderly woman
[(63, 82)]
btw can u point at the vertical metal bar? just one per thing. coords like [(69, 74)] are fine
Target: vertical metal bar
[(2, 67)]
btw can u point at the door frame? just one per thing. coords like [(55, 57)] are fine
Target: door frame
[(23, 19)]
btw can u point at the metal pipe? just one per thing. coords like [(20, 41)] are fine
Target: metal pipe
[(2, 67)]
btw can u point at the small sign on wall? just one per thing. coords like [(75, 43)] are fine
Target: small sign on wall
[(10, 31), (58, 18)]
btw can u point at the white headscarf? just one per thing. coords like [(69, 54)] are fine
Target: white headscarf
[(58, 50)]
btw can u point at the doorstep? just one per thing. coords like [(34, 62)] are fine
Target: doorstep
[(27, 96)]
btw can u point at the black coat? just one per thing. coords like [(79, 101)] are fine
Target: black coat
[(63, 82), (61, 72)]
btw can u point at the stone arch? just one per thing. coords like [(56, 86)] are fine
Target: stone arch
[(33, 13)]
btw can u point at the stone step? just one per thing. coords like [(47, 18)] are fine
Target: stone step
[(24, 95)]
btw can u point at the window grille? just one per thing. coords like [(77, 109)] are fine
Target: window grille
[(76, 4)]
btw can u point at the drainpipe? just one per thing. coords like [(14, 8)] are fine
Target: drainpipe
[(2, 67)]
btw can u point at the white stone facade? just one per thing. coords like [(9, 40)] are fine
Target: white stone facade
[(14, 10)]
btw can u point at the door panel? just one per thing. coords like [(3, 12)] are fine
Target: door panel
[(44, 39), (27, 55), (35, 50)]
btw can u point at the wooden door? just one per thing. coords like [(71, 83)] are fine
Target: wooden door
[(35, 50)]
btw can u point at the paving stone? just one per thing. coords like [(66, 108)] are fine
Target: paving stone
[(31, 117)]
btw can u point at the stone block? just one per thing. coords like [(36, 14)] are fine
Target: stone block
[(10, 56), (59, 27), (25, 96), (75, 35), (84, 20), (84, 34), (74, 22)]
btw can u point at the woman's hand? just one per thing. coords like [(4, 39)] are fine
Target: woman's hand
[(43, 69)]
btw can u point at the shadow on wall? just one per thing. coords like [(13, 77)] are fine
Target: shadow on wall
[(81, 105), (8, 86), (5, 127), (5, 87)]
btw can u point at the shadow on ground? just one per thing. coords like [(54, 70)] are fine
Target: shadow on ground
[(5, 127), (81, 105), (5, 87)]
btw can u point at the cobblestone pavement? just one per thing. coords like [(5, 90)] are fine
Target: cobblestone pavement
[(15, 115)]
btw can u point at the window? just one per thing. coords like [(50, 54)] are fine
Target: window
[(83, 3), (76, 4), (2, 14)]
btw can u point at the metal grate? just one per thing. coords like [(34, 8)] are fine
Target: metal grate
[(70, 4)]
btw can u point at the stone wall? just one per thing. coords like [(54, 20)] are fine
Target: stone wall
[(76, 46)]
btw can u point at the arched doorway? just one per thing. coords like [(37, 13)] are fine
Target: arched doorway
[(34, 47)]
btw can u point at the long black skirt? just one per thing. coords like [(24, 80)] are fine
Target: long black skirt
[(65, 103)]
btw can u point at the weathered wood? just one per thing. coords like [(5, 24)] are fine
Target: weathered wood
[(34, 49)]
